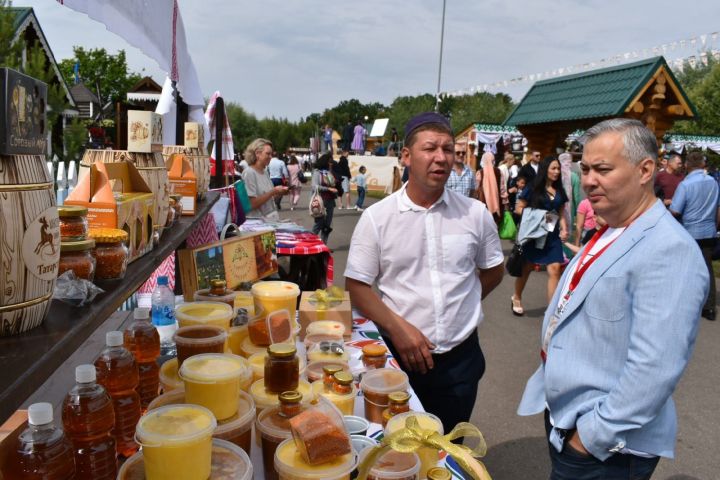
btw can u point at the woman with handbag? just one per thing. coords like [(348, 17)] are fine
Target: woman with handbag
[(257, 181), (323, 182), (546, 193)]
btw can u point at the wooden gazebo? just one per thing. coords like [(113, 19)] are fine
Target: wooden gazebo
[(646, 90)]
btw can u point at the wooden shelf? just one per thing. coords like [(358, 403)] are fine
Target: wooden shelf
[(27, 360)]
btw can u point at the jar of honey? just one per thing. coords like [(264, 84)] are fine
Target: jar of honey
[(374, 356), (282, 368), (218, 292), (77, 256), (111, 252), (73, 223), (399, 403), (329, 372)]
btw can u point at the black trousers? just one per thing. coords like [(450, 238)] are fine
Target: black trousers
[(449, 390)]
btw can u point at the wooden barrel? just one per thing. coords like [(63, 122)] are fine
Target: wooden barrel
[(151, 167), (29, 242), (200, 162)]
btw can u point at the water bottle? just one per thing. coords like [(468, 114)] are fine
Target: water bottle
[(88, 419), (43, 452), (118, 373), (163, 315)]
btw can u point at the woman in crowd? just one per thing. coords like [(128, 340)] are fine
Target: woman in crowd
[(324, 181), (295, 182), (259, 187), (343, 170), (508, 171), (488, 185), (358, 142), (546, 193)]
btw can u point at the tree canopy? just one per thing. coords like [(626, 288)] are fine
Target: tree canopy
[(104, 74)]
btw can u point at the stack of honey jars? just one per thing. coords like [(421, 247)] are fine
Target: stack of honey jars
[(75, 246)]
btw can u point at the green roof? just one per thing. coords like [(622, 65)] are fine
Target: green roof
[(20, 14), (599, 93)]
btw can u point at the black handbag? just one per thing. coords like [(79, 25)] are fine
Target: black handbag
[(515, 261)]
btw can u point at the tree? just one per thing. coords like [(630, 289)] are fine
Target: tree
[(104, 74), (10, 51), (698, 81)]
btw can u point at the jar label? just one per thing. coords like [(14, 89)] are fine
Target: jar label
[(41, 245)]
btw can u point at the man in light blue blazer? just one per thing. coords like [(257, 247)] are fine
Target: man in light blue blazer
[(621, 326)]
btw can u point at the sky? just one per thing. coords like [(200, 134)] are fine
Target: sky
[(291, 58)]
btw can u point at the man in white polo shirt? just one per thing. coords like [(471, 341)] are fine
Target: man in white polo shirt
[(432, 254)]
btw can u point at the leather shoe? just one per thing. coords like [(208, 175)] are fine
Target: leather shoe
[(709, 313)]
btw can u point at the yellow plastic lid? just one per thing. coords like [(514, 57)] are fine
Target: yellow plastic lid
[(275, 288), (289, 463), (427, 421), (205, 312), (264, 399), (169, 378), (211, 367), (384, 381), (175, 424)]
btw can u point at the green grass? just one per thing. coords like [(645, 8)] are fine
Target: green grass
[(716, 267), (375, 194)]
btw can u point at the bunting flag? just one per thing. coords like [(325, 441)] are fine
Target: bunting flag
[(707, 42)]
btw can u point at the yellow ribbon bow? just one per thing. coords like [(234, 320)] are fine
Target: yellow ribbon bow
[(412, 437), (328, 298)]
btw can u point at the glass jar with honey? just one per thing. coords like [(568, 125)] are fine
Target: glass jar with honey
[(76, 256), (282, 368), (110, 252), (218, 292), (273, 425), (374, 356), (73, 223), (399, 403), (328, 376)]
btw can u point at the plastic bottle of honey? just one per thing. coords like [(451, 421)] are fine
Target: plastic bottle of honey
[(398, 403), (118, 373), (43, 452), (143, 341), (88, 419)]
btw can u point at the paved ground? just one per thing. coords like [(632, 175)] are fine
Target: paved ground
[(517, 448)]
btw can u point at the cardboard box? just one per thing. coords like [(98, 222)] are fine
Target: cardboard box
[(116, 196), (183, 181), (194, 135), (23, 125), (145, 132), (241, 259), (338, 311)]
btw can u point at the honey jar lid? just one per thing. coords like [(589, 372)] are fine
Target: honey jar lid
[(78, 246), (176, 196), (72, 211), (374, 350), (218, 283), (282, 350), (332, 369), (399, 397), (108, 235), (292, 396), (343, 378)]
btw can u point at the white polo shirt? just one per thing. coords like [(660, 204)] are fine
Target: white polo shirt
[(424, 261)]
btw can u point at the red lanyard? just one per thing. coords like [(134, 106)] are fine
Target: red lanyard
[(582, 267)]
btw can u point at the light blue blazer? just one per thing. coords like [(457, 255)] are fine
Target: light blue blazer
[(623, 341)]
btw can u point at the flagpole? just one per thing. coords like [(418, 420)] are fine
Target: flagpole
[(442, 36)]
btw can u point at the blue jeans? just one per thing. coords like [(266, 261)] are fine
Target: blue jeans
[(573, 465), (323, 225), (361, 197)]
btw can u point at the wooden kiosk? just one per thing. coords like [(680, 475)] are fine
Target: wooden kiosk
[(646, 90)]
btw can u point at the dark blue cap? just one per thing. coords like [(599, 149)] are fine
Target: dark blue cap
[(423, 119)]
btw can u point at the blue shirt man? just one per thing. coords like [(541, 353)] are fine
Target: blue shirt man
[(696, 203), (461, 179)]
